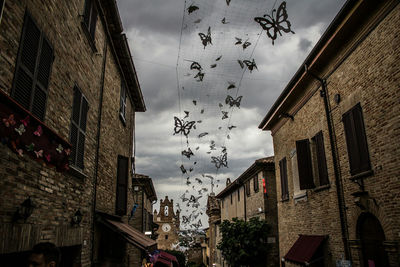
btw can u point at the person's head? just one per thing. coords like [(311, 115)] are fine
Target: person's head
[(44, 254)]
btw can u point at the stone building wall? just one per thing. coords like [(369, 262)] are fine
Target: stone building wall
[(369, 75), (165, 240)]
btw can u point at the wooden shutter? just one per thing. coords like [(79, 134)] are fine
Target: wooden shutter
[(33, 69), (356, 140), (304, 164), (248, 187), (238, 194), (284, 182), (321, 159), (255, 183), (93, 20), (122, 185)]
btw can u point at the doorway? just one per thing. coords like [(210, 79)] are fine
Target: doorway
[(372, 236)]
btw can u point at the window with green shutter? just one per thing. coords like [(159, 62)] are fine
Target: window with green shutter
[(33, 68), (80, 109)]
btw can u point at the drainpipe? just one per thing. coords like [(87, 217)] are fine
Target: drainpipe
[(338, 181), (96, 165)]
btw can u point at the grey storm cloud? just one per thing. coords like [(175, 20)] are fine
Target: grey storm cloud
[(153, 28)]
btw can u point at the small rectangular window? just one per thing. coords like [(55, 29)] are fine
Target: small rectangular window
[(166, 237), (32, 71), (77, 138), (248, 188), (322, 172), (356, 140), (238, 194), (304, 164), (122, 103), (255, 183), (284, 183), (122, 185), (231, 199), (90, 17)]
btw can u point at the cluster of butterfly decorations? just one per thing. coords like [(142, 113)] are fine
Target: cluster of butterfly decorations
[(274, 24)]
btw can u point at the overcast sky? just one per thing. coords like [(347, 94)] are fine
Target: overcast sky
[(164, 41)]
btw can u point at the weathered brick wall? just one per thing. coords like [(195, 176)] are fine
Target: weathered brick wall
[(56, 195), (370, 76)]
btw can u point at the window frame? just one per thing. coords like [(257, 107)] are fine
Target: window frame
[(356, 141), (123, 103), (88, 24), (248, 190), (80, 131), (21, 67), (238, 194), (256, 185), (284, 179)]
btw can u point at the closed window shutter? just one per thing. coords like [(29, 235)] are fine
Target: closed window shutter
[(255, 183), (321, 159), (80, 108), (93, 21), (248, 188), (304, 164), (122, 183), (284, 183), (33, 70), (356, 140), (86, 12)]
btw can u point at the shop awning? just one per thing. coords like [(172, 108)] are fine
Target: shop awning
[(306, 249), (130, 234), (165, 258)]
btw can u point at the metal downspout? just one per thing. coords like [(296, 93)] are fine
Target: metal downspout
[(338, 181), (96, 165)]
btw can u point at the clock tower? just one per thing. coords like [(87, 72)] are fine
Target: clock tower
[(168, 222)]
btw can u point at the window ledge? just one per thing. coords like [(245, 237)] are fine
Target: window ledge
[(285, 199), (321, 188), (89, 38), (302, 196), (362, 175), (77, 172)]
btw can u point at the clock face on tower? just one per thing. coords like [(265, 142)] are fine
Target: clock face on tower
[(166, 227)]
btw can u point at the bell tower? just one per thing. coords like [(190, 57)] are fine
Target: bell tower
[(168, 222)]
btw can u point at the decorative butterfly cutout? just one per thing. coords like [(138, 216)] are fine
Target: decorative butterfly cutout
[(233, 102), (183, 170), (185, 220), (20, 152), (194, 102), (9, 121), (30, 147), (208, 152), (250, 64), (197, 21), (206, 39), (188, 182), (190, 169), (59, 149), (187, 153), (48, 157), (274, 25), (200, 76), (231, 127), (199, 181), (184, 198), (194, 199), (224, 21), (231, 85), (238, 41), (39, 131), (67, 151), (192, 8), (218, 58), (246, 44), (224, 115), (213, 66), (220, 127), (182, 126), (195, 66), (197, 148), (228, 2), (25, 121), (186, 114), (220, 161), (223, 150), (199, 121), (228, 136), (202, 111), (20, 130), (220, 105), (39, 154), (202, 134)]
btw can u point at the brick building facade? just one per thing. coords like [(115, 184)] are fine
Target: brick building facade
[(335, 129), (253, 194), (168, 224), (66, 67)]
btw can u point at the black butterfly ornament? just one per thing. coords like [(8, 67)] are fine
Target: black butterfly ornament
[(197, 21), (187, 153), (218, 58), (224, 115), (246, 44), (233, 102), (195, 66), (250, 64), (199, 76), (220, 161), (238, 41), (228, 2), (231, 85), (223, 21), (192, 8), (275, 24), (182, 126), (206, 39)]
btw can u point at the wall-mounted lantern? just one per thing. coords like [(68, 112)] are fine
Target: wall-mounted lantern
[(25, 210), (77, 218)]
